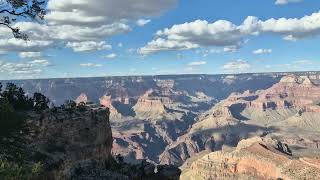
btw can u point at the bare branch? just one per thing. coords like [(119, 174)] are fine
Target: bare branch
[(14, 13), (31, 9)]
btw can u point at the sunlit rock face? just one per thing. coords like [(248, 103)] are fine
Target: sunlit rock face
[(66, 140), (291, 92), (149, 106), (82, 98), (106, 101), (253, 158)]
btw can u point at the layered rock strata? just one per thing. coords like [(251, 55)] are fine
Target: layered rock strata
[(255, 158)]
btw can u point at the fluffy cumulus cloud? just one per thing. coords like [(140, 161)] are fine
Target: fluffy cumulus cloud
[(236, 66), (222, 33), (99, 12), (197, 63), (262, 51), (283, 2), (82, 24), (88, 46)]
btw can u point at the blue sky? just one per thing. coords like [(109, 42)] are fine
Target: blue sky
[(283, 36)]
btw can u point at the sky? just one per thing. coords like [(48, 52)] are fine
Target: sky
[(93, 38)]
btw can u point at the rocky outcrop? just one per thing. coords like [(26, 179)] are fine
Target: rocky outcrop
[(292, 92), (106, 101), (149, 106), (82, 98), (67, 139), (297, 92), (76, 144), (255, 158)]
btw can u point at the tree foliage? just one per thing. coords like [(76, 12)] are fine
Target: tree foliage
[(40, 102), (15, 10), (16, 97), (14, 154)]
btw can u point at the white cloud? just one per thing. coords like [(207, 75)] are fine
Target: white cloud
[(120, 45), (40, 62), (283, 2), (165, 45), (231, 49), (90, 65), (19, 45), (142, 22), (69, 32), (262, 51), (290, 38), (30, 54), (24, 70), (81, 21), (97, 12), (298, 65), (302, 62), (201, 33), (88, 46), (236, 66), (111, 56), (197, 63)]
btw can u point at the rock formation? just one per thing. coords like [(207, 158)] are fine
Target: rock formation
[(82, 98), (149, 106), (291, 92), (254, 158), (65, 140), (208, 134), (287, 107), (77, 143), (106, 101)]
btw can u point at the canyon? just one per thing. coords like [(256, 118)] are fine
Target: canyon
[(197, 121)]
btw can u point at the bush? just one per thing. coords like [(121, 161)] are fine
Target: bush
[(13, 171), (14, 155), (82, 107), (16, 97), (40, 102)]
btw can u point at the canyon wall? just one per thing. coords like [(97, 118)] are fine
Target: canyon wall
[(66, 140)]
